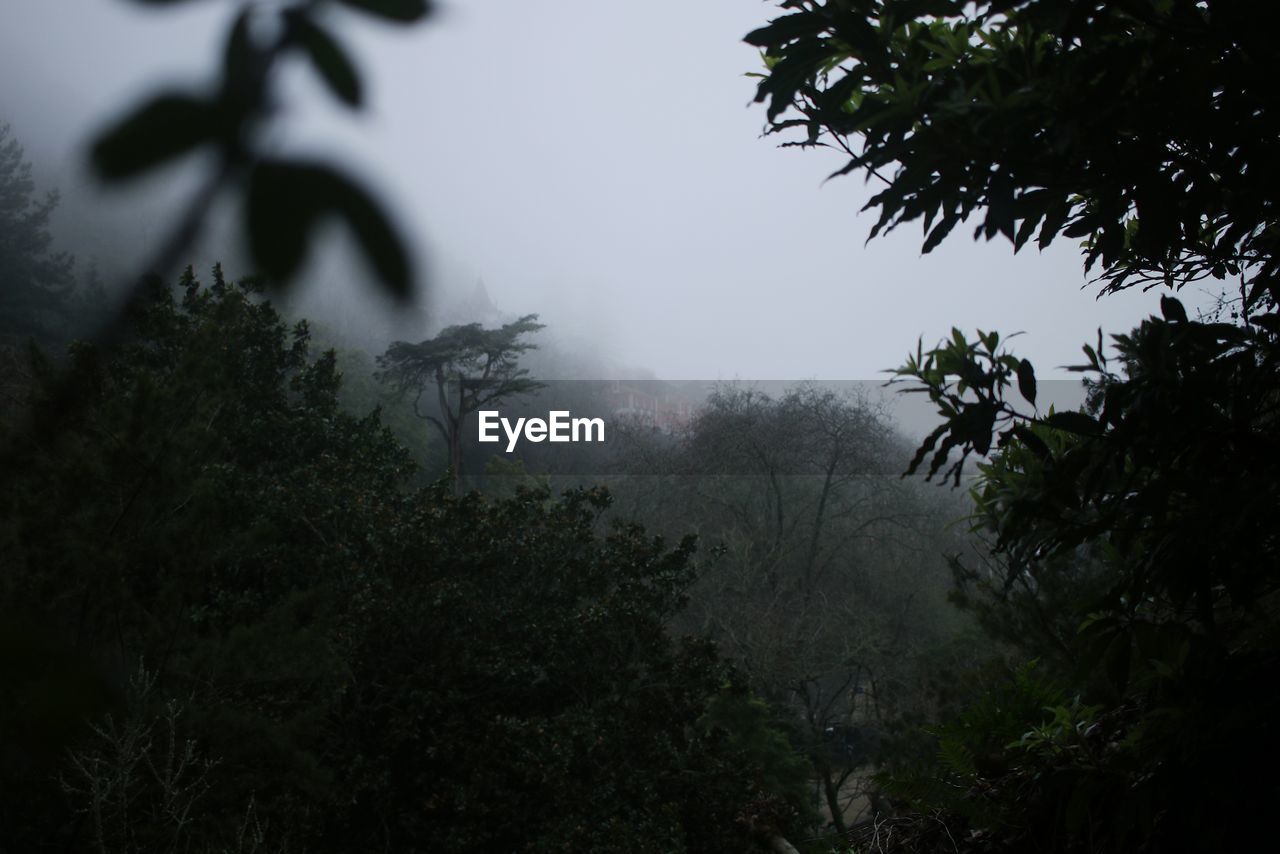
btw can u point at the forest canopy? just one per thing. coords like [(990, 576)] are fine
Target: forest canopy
[(345, 658)]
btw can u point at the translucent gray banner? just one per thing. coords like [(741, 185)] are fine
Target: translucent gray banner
[(703, 428)]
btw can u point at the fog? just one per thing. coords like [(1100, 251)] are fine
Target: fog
[(599, 164)]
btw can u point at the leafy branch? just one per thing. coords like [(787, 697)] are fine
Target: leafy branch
[(283, 199)]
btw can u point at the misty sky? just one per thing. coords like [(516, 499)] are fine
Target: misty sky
[(598, 163)]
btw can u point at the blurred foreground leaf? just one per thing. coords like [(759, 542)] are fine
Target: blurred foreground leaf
[(284, 202), (395, 10), (167, 127), (332, 62)]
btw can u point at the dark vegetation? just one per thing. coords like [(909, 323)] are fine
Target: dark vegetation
[(1132, 546), (330, 660), (246, 606), (241, 614), (830, 590), (464, 367), (38, 279)]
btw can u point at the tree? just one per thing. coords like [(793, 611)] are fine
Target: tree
[(469, 367), (517, 688), (359, 662), (1148, 127), (1136, 557), (201, 509), (1134, 536), (829, 583), (35, 280)]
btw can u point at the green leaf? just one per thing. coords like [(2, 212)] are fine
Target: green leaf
[(1000, 208), (940, 231), (785, 29), (166, 127), (394, 10), (1269, 322), (1074, 422), (381, 245), (284, 202), (237, 56), (331, 61), (790, 74), (1027, 381), (925, 447), (279, 217), (1091, 354), (1172, 310), (1025, 230), (1033, 442), (1055, 216)]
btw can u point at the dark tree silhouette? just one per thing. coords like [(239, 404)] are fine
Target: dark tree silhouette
[(1149, 129), (35, 280), (469, 367)]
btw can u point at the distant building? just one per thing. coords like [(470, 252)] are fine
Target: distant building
[(652, 404)]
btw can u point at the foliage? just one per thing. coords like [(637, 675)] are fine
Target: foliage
[(969, 749), (1167, 470), (468, 367), (1146, 128), (552, 712), (1035, 611), (359, 664), (35, 280), (1132, 540), (1154, 505), (361, 393), (181, 512), (138, 795), (828, 588), (284, 199)]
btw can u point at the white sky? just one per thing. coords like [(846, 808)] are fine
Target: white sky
[(598, 163)]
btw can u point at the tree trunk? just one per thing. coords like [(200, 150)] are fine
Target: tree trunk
[(455, 462), (832, 793)]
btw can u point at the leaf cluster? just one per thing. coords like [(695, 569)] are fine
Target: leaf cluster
[(284, 198), (1133, 539), (1146, 128)]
